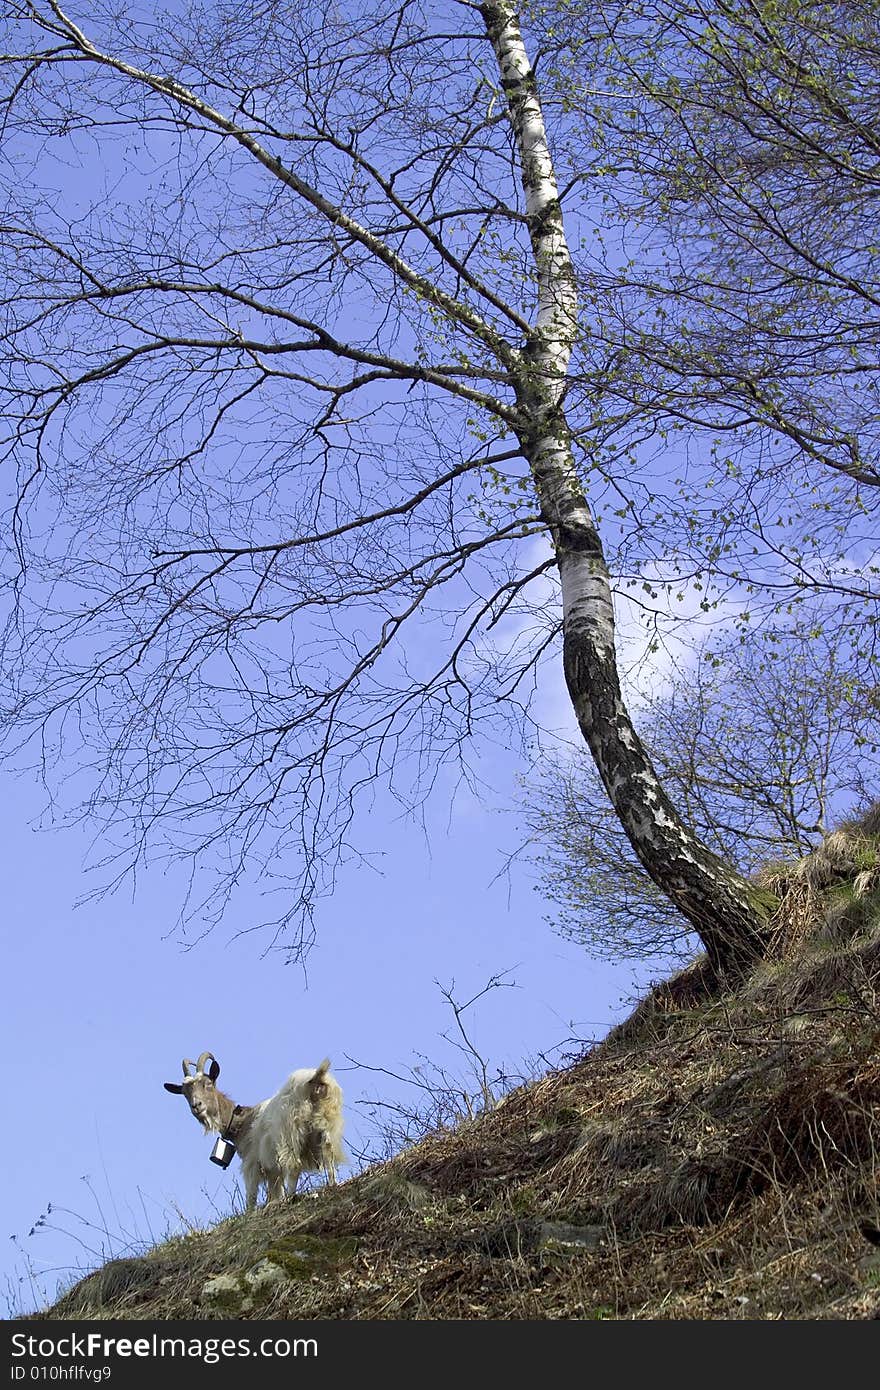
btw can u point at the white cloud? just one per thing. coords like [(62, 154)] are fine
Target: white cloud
[(658, 632)]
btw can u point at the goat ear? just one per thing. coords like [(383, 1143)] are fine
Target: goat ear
[(214, 1069), (173, 1086)]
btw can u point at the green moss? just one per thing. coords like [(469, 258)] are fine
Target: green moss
[(303, 1256), (763, 901)]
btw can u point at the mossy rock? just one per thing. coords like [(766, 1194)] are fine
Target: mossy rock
[(304, 1256), (225, 1295)]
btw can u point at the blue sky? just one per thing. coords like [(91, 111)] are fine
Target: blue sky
[(104, 1000)]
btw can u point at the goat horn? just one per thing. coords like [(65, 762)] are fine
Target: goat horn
[(200, 1064), (186, 1066)]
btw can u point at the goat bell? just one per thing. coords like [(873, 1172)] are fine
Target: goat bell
[(223, 1152)]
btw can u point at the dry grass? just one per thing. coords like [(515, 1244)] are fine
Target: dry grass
[(719, 1149)]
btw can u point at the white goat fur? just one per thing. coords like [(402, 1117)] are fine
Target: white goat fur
[(292, 1134)]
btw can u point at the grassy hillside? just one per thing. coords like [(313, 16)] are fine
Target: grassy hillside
[(717, 1156)]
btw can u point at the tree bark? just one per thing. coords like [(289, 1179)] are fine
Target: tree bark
[(728, 913)]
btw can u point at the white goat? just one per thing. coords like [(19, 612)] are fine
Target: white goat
[(297, 1130)]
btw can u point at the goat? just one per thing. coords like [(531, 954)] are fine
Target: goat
[(297, 1130)]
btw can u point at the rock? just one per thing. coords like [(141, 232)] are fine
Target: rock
[(224, 1295), (265, 1277), (562, 1235), (513, 1238)]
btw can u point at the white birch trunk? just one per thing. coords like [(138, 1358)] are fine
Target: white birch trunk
[(723, 907)]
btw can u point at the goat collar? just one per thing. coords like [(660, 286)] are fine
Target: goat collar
[(231, 1129)]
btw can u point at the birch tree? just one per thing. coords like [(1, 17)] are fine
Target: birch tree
[(765, 743), (289, 367)]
